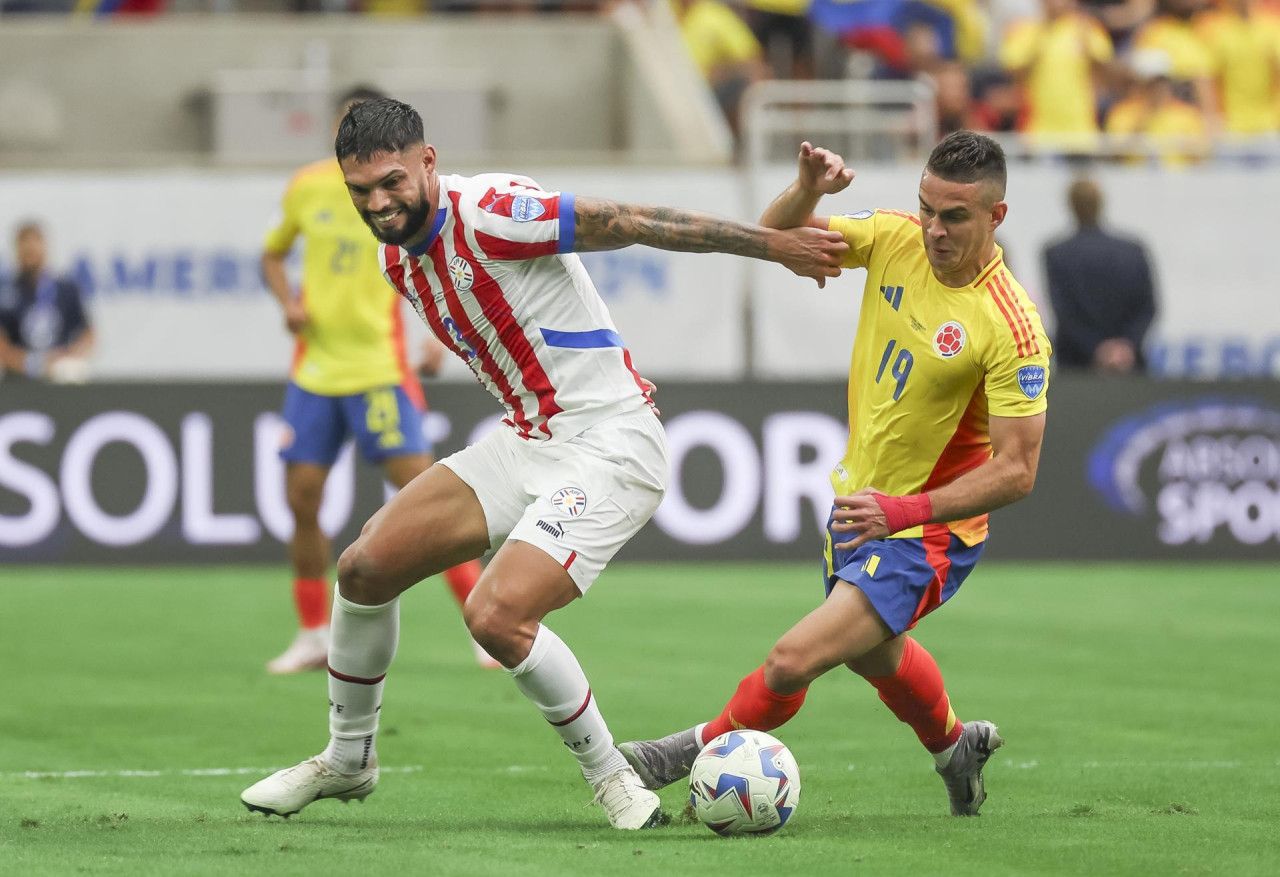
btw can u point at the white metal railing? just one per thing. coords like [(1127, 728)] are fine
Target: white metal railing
[(860, 119), (896, 120)]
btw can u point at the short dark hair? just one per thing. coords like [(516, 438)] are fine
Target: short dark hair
[(356, 93), (1085, 199), (377, 125), (968, 157)]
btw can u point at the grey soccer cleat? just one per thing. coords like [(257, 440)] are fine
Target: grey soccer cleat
[(662, 762), (963, 774)]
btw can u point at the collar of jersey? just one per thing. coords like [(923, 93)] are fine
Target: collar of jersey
[(421, 249)]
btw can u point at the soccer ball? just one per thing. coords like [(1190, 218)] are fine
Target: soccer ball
[(744, 782)]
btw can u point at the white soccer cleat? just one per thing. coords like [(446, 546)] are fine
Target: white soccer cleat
[(483, 658), (287, 791), (308, 651), (627, 802)]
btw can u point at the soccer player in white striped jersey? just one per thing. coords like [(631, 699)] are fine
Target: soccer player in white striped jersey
[(489, 264)]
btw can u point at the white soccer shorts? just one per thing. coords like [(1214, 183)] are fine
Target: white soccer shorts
[(580, 500)]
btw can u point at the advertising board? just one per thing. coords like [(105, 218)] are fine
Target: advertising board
[(189, 473)]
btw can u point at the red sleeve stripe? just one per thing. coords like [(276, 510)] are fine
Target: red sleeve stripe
[(501, 248), (497, 310), (904, 214), (488, 363), (1008, 318), (982, 278), (1024, 321), (504, 204)]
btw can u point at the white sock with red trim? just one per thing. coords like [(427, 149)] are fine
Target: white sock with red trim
[(553, 680), (363, 643)]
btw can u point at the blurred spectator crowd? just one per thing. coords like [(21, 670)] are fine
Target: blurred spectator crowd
[(1166, 79), (1139, 78)]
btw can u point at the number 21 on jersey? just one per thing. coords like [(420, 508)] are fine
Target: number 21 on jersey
[(900, 370)]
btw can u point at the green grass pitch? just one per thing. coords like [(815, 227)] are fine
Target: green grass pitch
[(1139, 704)]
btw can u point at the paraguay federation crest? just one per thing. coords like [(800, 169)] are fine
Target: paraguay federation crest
[(570, 500), (949, 339), (461, 274)]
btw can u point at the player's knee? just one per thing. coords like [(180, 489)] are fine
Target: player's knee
[(360, 576), (499, 628), (304, 503), (488, 620), (789, 669)]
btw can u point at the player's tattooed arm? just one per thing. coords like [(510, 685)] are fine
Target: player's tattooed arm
[(608, 225)]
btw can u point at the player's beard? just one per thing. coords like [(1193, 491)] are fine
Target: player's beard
[(415, 219)]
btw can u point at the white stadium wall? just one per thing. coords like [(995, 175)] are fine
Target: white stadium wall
[(171, 262)]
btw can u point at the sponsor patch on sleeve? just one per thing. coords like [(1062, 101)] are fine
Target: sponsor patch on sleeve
[(1031, 380), (526, 208), (861, 214)]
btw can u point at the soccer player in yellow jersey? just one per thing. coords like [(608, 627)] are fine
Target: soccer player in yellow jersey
[(349, 379), (946, 414)]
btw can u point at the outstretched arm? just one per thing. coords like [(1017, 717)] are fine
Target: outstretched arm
[(609, 225), (821, 172)]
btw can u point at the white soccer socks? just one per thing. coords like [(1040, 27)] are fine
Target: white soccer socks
[(363, 644), (553, 680)]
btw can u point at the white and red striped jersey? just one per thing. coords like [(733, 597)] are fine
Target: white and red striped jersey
[(499, 284)]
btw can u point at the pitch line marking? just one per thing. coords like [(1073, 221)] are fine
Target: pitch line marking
[(1033, 764), (146, 774)]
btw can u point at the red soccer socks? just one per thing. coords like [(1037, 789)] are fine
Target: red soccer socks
[(917, 697), (754, 706), (311, 598)]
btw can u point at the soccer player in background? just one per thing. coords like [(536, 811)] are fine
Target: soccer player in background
[(349, 378), (489, 262), (946, 414)]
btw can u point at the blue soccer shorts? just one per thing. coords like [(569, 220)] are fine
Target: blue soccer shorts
[(905, 579), (384, 421)]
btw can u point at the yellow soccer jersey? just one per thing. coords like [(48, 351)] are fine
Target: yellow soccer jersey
[(930, 363), (355, 338), (1058, 58), (1246, 55)]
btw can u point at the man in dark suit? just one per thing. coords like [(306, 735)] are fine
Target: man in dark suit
[(1102, 292), (44, 327)]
